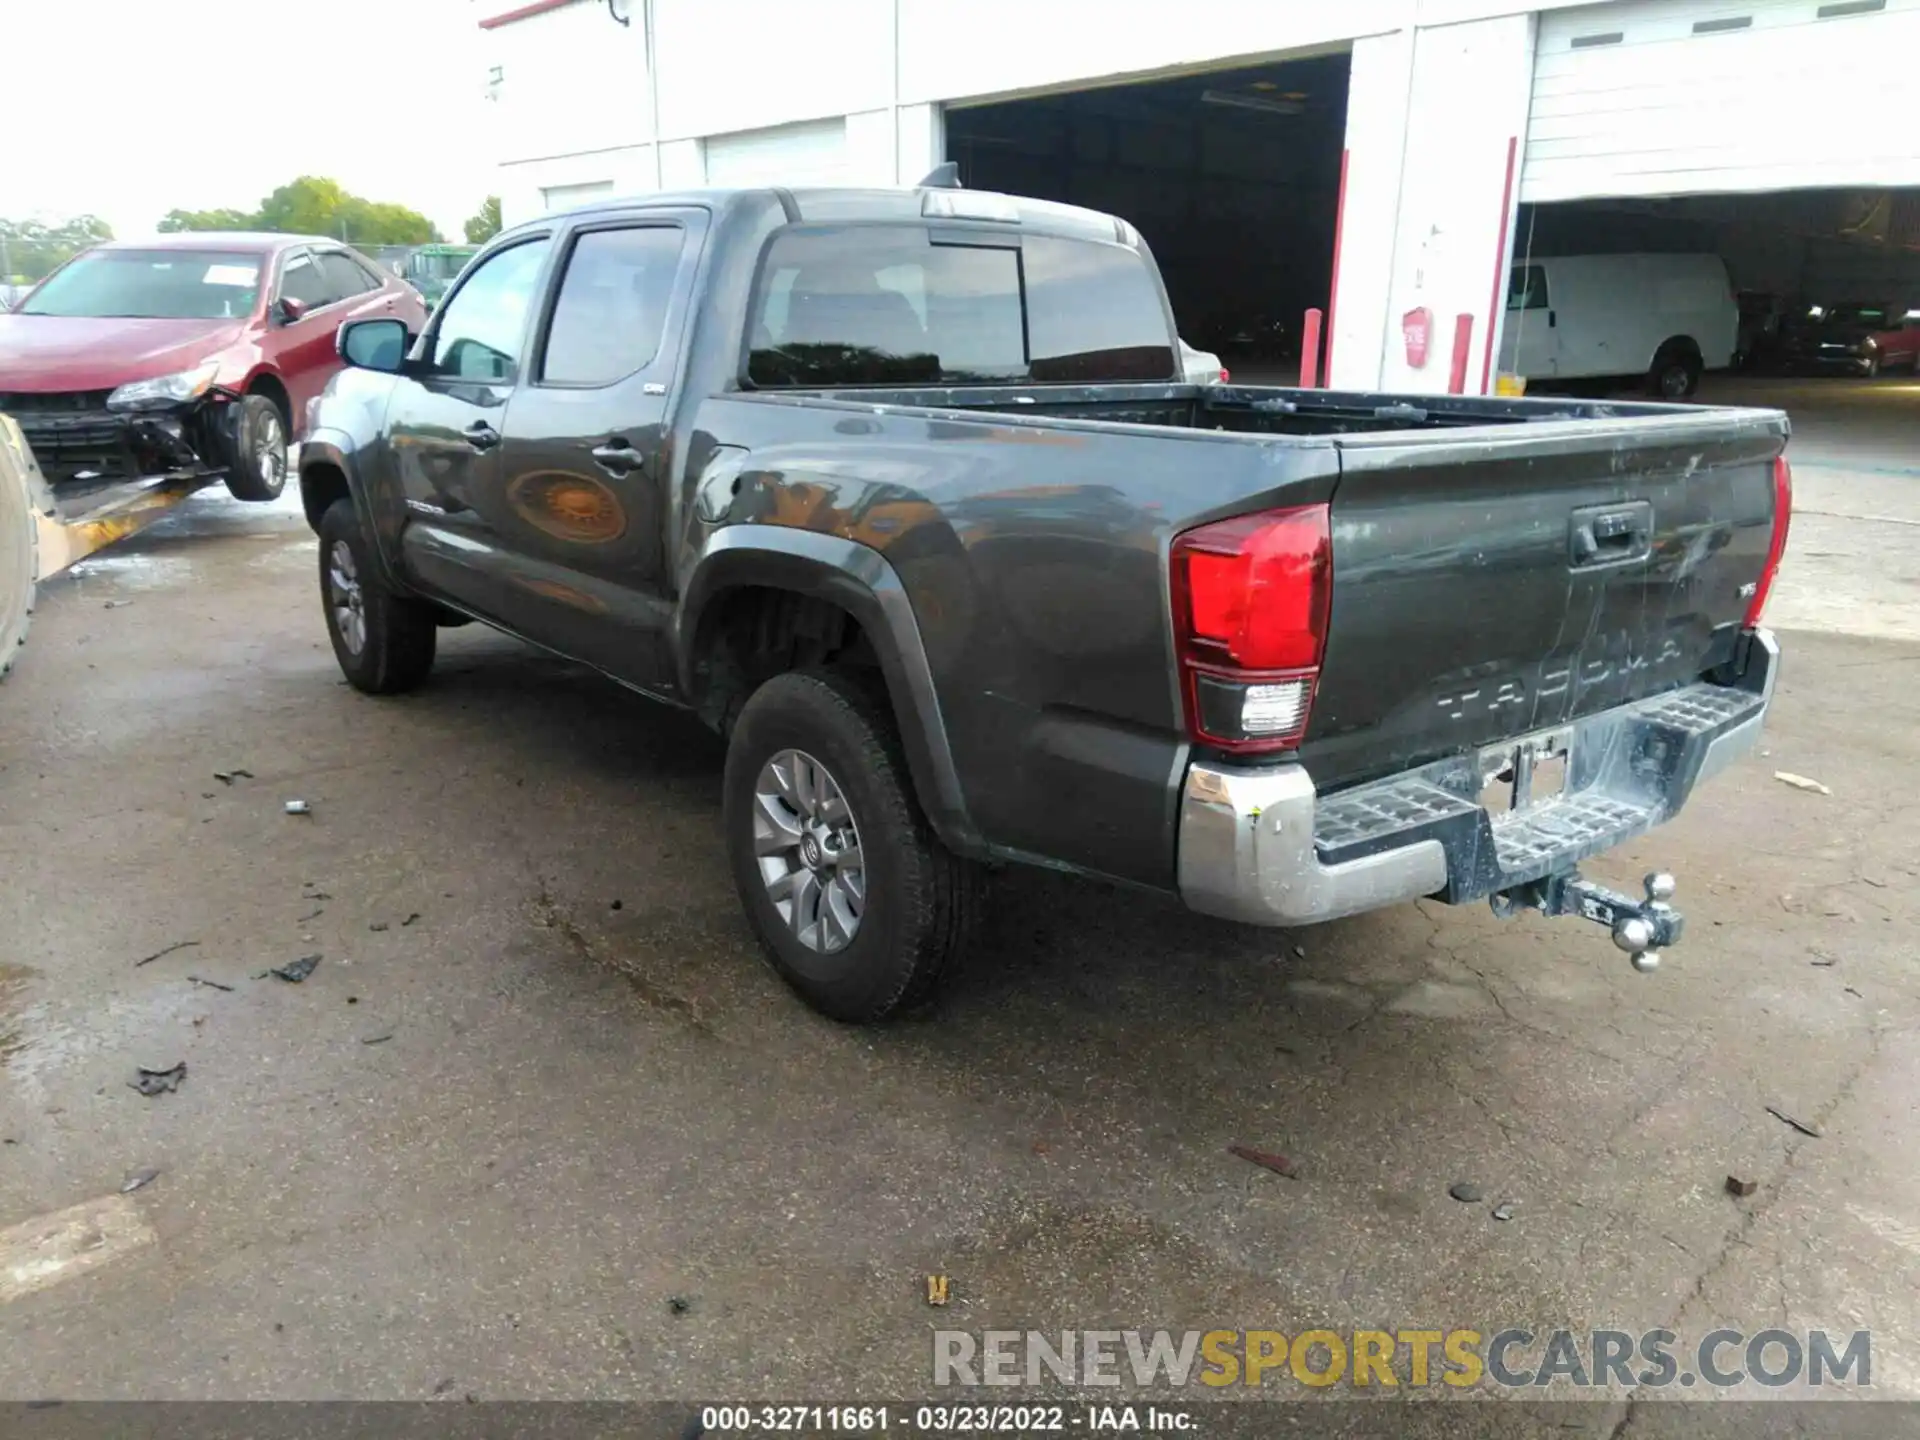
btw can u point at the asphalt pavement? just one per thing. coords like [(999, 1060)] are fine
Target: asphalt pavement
[(540, 1123)]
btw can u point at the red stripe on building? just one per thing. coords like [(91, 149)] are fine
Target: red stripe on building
[(525, 12), (1500, 265)]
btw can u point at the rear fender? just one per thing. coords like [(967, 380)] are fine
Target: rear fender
[(860, 581)]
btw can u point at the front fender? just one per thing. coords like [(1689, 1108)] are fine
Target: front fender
[(328, 470), (859, 580)]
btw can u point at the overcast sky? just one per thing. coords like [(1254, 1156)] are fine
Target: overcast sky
[(129, 108)]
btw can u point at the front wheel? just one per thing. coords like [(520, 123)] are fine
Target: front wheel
[(383, 641), (855, 901), (257, 465)]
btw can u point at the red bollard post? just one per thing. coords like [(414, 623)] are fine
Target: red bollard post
[(1310, 352), (1462, 343)]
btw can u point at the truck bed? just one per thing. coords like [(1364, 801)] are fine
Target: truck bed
[(1460, 614)]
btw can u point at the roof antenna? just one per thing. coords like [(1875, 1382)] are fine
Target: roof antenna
[(942, 177)]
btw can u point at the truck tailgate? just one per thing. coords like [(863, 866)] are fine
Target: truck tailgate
[(1491, 582)]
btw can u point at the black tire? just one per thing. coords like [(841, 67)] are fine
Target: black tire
[(257, 450), (1675, 375), (395, 632), (919, 899)]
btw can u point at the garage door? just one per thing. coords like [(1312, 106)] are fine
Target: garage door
[(1680, 97), (814, 153)]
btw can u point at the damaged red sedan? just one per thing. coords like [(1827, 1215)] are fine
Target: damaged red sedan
[(185, 355)]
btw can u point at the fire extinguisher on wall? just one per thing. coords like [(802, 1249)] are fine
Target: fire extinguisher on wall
[(1417, 328)]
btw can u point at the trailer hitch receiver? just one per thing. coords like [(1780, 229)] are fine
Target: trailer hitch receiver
[(1642, 928)]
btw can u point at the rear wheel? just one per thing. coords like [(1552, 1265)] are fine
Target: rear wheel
[(383, 641), (1675, 374), (855, 901), (257, 464)]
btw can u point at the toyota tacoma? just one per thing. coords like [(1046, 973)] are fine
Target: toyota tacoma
[(903, 492)]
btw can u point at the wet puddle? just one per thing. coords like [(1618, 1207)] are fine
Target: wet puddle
[(14, 980)]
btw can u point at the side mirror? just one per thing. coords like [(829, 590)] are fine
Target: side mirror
[(289, 310), (373, 344)]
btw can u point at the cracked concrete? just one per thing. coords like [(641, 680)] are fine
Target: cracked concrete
[(586, 1110)]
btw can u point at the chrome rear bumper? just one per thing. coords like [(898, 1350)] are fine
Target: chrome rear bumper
[(1259, 845)]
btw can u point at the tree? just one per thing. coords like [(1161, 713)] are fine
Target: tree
[(315, 205), (177, 221), (30, 249), (483, 226)]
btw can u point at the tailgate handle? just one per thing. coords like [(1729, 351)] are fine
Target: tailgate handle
[(1609, 534)]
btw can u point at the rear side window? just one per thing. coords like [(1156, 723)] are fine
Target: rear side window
[(612, 309), (888, 305)]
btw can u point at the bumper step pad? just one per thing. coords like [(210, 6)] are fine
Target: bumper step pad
[(1632, 768)]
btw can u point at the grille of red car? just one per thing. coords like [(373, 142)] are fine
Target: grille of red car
[(66, 402)]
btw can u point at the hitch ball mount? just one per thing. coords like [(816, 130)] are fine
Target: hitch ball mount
[(1642, 928)]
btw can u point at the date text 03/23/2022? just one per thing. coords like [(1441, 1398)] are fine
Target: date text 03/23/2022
[(945, 1419)]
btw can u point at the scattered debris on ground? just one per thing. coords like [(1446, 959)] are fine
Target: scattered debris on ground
[(1823, 961), (410, 919), (615, 906), (139, 1180), (377, 1039), (297, 807), (227, 777), (1784, 1118), (377, 926), (680, 1304), (295, 971), (1504, 1210), (159, 1082), (1741, 1188), (1801, 782), (1466, 1192), (210, 984), (178, 945), (1279, 1164), (1299, 952), (115, 604), (939, 1288)]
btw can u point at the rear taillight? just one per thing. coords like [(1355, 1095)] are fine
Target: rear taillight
[(1782, 517), (1225, 375), (1250, 603)]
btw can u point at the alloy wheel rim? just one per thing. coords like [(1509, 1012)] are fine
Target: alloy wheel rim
[(270, 451), (345, 597), (807, 846)]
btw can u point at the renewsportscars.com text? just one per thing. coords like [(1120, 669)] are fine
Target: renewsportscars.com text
[(1388, 1359)]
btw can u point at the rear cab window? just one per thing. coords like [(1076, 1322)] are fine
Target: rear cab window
[(851, 305)]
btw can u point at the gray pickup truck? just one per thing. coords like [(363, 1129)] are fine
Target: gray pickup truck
[(902, 491)]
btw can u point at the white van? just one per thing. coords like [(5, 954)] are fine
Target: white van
[(1664, 317)]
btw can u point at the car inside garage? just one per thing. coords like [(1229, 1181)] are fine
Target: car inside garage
[(1714, 186), (1232, 176), (1821, 281)]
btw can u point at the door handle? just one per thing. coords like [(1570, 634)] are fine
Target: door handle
[(618, 457), (1608, 534), (1553, 319), (482, 436)]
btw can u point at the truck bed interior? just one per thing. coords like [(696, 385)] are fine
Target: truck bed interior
[(1248, 409)]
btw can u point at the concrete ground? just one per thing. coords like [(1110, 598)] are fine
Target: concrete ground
[(541, 1124)]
